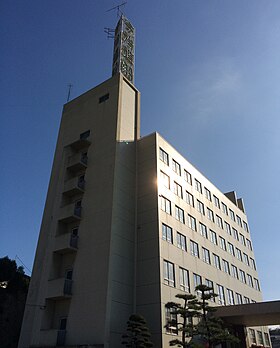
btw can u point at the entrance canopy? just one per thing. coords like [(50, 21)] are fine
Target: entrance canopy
[(251, 314)]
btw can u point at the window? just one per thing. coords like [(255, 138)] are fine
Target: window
[(165, 205), (167, 233), (213, 237), (219, 221), (181, 241), (260, 337), (179, 214), (176, 167), (194, 248), (238, 298), (216, 259), (210, 214), (189, 198), (242, 239), (207, 194), (197, 281), (242, 276), (230, 297), (245, 226), (165, 180), (103, 98), (249, 244), (234, 271), (216, 201), (252, 336), (169, 277), (178, 190), (257, 284), (253, 264), (239, 220), (238, 254), (206, 255), (187, 177), (231, 249), (266, 339), (246, 259), (221, 295), (200, 207), (226, 267), (223, 243), (198, 186), (246, 299), (210, 284), (184, 279), (235, 234), (250, 280), (163, 156), (227, 227), (171, 321), (192, 222), (231, 214), (203, 230), (224, 209)]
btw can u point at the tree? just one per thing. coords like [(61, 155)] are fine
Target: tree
[(13, 291), (209, 330), (138, 334), (187, 311)]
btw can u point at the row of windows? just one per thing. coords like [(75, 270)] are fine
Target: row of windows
[(165, 205), (258, 339), (188, 197), (185, 285), (198, 186), (214, 260)]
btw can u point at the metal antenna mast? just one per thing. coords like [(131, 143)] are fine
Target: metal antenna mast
[(109, 31), (119, 12), (69, 91)]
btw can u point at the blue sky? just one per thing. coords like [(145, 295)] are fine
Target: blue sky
[(208, 72)]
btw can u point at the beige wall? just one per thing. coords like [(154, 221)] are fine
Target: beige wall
[(103, 265)]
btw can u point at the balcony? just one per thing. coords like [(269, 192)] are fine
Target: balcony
[(59, 288), (77, 162), (70, 213), (48, 338), (74, 186), (66, 243)]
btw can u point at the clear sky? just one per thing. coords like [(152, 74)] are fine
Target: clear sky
[(209, 76)]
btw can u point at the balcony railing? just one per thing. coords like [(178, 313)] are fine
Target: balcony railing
[(77, 162), (59, 288), (70, 213), (66, 243), (74, 186)]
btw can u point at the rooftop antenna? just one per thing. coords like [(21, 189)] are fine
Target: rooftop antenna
[(119, 11), (109, 31), (69, 91)]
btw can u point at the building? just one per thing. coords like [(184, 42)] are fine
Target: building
[(128, 224)]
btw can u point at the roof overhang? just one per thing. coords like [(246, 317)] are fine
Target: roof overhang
[(251, 314)]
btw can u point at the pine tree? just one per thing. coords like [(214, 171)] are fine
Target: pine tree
[(208, 331), (211, 328), (187, 311), (138, 334)]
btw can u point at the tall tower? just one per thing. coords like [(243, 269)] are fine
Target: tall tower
[(82, 286)]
